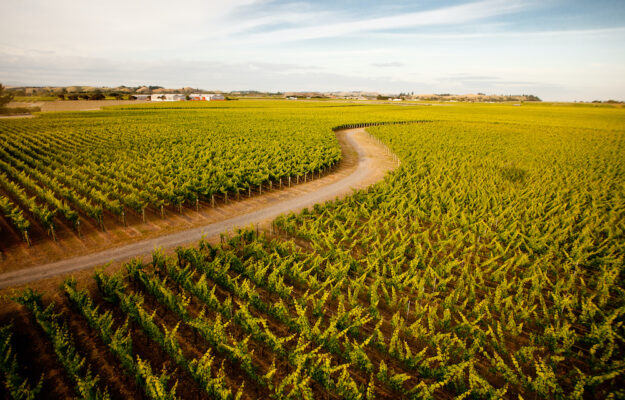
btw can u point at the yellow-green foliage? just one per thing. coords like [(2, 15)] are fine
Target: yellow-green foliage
[(508, 225), (488, 265)]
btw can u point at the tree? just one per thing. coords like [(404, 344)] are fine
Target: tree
[(97, 95), (5, 98)]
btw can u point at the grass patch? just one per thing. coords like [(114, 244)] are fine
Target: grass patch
[(34, 99), (19, 110)]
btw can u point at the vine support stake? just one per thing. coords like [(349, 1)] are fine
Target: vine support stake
[(213, 200), (289, 180)]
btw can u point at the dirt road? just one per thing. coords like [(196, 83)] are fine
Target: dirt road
[(372, 163)]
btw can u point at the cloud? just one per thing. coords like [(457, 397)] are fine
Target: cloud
[(120, 27), (460, 14), (175, 73), (489, 32)]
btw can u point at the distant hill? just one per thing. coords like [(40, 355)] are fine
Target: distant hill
[(479, 97), (124, 91)]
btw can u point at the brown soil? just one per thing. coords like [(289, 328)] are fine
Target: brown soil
[(74, 105)]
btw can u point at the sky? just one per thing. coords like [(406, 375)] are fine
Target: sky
[(560, 50)]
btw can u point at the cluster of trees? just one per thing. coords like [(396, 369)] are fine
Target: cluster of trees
[(608, 101), (531, 97), (5, 98), (96, 95), (81, 92), (91, 95)]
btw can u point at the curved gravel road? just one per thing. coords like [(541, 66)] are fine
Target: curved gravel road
[(363, 171)]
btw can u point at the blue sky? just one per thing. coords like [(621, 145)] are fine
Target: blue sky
[(556, 49)]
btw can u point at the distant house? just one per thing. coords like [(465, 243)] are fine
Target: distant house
[(206, 97), (168, 97)]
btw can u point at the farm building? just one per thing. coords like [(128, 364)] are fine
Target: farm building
[(206, 96), (168, 97), (142, 97)]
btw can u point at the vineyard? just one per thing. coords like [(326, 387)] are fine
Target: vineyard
[(62, 170), (490, 264)]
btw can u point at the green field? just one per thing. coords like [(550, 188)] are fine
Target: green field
[(490, 264)]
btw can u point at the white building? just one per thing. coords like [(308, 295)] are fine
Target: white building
[(168, 97), (206, 96)]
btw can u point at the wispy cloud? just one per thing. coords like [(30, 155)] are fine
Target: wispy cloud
[(460, 14), (500, 31)]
